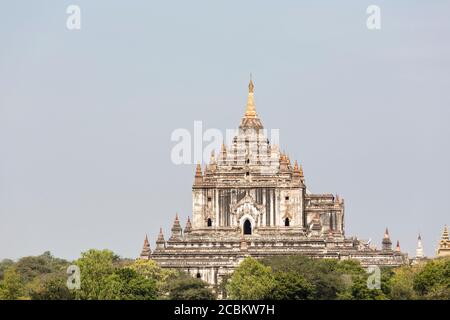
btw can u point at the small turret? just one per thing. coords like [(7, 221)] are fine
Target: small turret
[(223, 153), (146, 251), (397, 247), (284, 164), (386, 243), (188, 227), (212, 161), (176, 229), (419, 251), (160, 242), (198, 175)]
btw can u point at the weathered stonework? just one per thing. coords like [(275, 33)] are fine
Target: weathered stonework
[(251, 201)]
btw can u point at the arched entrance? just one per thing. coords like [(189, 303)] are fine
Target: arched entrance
[(209, 223), (286, 222), (247, 227)]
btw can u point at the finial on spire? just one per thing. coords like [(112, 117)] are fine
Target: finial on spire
[(251, 86), (251, 109)]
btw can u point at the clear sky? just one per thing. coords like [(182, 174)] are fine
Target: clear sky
[(86, 116)]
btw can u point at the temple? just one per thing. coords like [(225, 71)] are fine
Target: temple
[(252, 200), (443, 249)]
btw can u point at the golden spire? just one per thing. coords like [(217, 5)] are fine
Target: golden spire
[(251, 109), (296, 167)]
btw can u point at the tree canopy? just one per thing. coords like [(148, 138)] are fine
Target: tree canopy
[(106, 276)]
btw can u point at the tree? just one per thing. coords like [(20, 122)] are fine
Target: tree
[(12, 286), (322, 274), (50, 287), (33, 266), (149, 269), (185, 287), (360, 291), (433, 280), (251, 281), (401, 283), (5, 264), (291, 286), (96, 266), (127, 284)]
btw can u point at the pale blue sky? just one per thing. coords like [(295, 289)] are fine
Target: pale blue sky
[(86, 116)]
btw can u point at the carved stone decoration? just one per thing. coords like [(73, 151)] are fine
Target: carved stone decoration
[(247, 209)]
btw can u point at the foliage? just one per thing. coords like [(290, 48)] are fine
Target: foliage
[(127, 284), (95, 268), (150, 270), (185, 287), (251, 281), (5, 264), (50, 287), (30, 267), (12, 286), (433, 280), (291, 286), (321, 274), (104, 275)]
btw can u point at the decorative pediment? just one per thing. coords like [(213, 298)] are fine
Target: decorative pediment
[(247, 206)]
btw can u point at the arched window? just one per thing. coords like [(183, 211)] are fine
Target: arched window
[(247, 227), (286, 222), (199, 275), (209, 222)]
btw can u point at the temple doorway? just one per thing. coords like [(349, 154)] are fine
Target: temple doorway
[(247, 227)]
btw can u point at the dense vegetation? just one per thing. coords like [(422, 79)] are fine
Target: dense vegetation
[(104, 275), (298, 277)]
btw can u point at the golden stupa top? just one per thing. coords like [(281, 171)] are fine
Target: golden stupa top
[(251, 108)]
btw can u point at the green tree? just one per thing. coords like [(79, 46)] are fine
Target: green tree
[(433, 280), (322, 274), (251, 281), (149, 269), (291, 286), (96, 267), (12, 286), (50, 287), (5, 264), (33, 266), (401, 283), (127, 284), (185, 287)]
